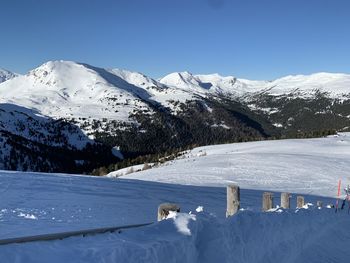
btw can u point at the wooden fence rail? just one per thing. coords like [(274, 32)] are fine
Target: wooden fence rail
[(63, 235)]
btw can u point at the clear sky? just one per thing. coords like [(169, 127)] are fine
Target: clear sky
[(255, 39)]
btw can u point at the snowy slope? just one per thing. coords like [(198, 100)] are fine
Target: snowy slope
[(6, 75), (311, 166), (158, 92), (48, 203), (335, 84)]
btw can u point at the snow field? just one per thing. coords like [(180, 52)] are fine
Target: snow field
[(308, 166)]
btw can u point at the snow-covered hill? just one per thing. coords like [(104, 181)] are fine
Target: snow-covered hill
[(310, 166)]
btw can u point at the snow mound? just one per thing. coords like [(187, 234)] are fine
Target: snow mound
[(310, 236)]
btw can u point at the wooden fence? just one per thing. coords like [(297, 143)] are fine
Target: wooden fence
[(63, 235)]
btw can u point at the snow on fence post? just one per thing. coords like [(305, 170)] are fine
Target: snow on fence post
[(319, 204), (285, 200), (233, 199), (165, 208), (267, 201), (300, 201)]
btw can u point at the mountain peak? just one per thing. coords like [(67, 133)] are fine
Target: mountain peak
[(183, 79), (58, 66)]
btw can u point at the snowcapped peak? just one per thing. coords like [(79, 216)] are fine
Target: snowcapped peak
[(56, 64), (6, 75), (50, 67), (183, 79)]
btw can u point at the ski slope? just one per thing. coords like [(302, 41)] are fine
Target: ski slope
[(309, 166)]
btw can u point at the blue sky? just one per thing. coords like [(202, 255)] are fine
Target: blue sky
[(261, 39)]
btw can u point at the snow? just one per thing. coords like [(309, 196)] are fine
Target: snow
[(335, 84), (181, 221), (65, 202), (71, 90), (278, 125), (199, 209), (27, 216), (20, 121), (311, 166), (35, 203), (65, 89), (117, 153), (127, 170), (6, 75)]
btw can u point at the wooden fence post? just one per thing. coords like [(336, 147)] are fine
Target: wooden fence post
[(267, 201), (233, 199), (300, 201), (285, 200), (165, 208)]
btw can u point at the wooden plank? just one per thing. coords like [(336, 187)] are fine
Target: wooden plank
[(300, 201), (63, 235), (267, 201), (285, 200), (233, 199)]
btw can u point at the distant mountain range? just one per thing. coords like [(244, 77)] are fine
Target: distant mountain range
[(71, 117)]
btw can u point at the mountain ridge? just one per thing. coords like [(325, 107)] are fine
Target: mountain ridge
[(6, 75)]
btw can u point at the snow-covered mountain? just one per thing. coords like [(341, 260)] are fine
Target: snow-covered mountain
[(138, 114), (334, 84), (63, 89), (6, 75)]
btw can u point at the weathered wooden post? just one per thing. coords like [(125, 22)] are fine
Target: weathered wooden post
[(319, 204), (267, 201), (285, 200), (300, 201), (165, 208), (233, 199)]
